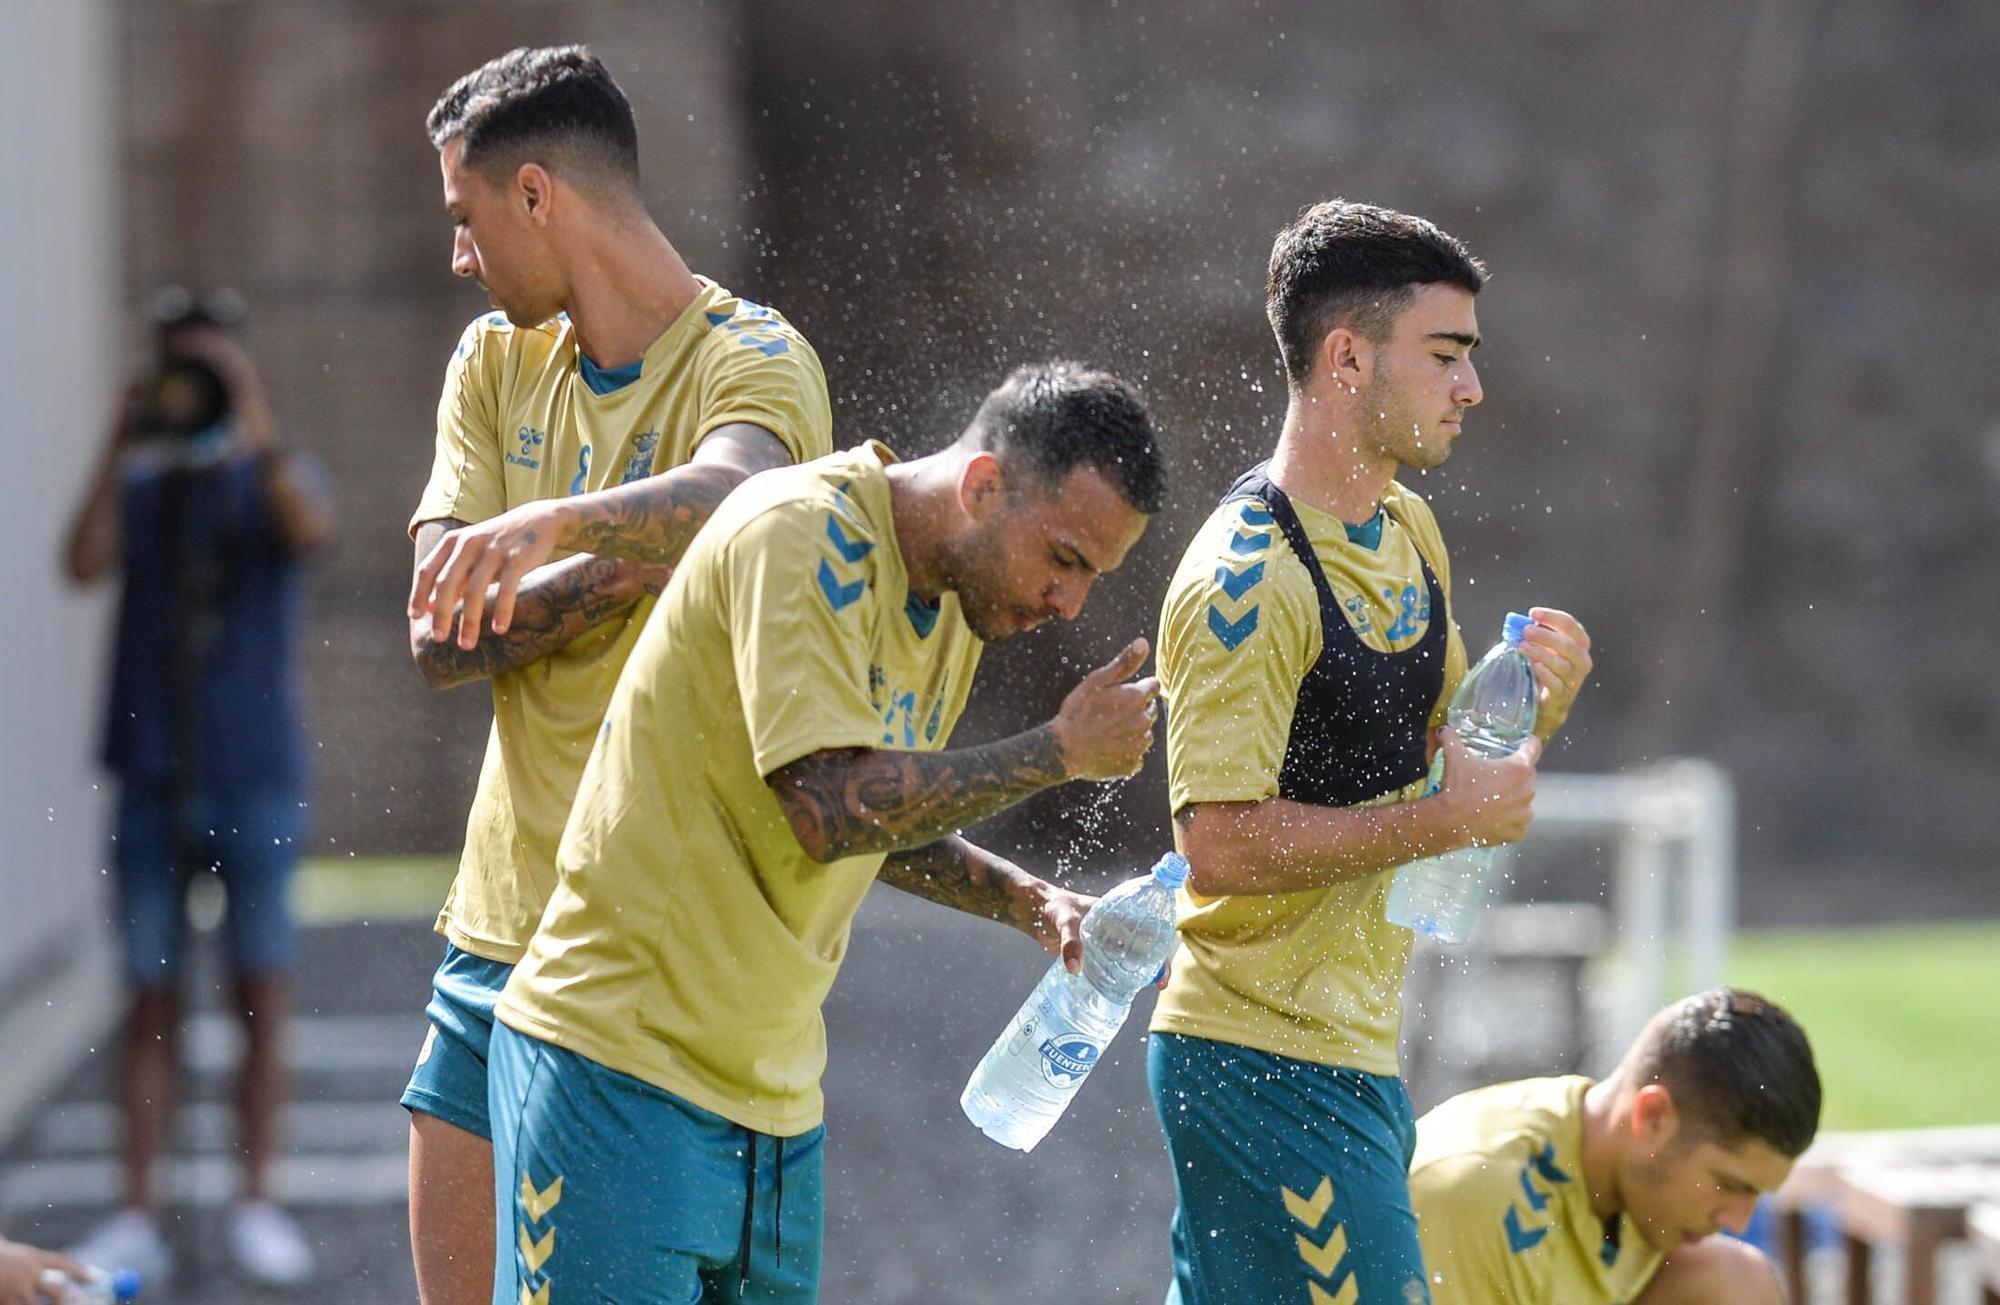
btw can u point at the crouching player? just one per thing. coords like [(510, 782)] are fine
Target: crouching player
[(1561, 1189)]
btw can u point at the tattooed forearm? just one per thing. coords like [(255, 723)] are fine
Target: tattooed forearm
[(652, 520), (955, 873), (846, 802), (557, 603)]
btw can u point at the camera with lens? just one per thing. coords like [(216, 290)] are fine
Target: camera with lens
[(185, 396)]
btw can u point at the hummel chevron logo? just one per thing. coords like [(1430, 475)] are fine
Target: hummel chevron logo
[(1324, 1259), (1349, 1292), (1545, 1164), (540, 1203), (1231, 634), (1536, 1201), (1518, 1238), (1254, 515), (1309, 1212), (1241, 543), (538, 1297), (534, 1254), (1238, 583), (838, 595), (851, 550)]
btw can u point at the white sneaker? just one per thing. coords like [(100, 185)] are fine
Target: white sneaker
[(130, 1240), (268, 1245)]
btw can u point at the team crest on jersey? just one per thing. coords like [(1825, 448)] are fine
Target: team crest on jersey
[(528, 448), (1409, 608), (639, 462)]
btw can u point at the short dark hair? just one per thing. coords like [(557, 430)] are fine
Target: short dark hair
[(556, 105), (1345, 264), (1737, 1066), (1051, 418)]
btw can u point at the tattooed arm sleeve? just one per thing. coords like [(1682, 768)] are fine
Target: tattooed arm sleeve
[(953, 872), (557, 603), (652, 520), (851, 801)]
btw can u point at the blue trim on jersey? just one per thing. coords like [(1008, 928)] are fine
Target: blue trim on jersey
[(607, 380), (923, 616), (1369, 533)]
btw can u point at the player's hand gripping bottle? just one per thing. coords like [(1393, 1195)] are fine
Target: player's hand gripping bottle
[(99, 1288), (1493, 713), (1023, 1085)]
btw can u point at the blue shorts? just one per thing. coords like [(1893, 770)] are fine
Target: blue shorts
[(609, 1188), (449, 1080), (1293, 1178), (250, 841)]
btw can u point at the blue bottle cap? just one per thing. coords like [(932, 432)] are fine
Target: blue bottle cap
[(1516, 626), (125, 1285), (1171, 870)]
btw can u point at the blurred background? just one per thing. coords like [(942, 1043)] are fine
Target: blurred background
[(1740, 418)]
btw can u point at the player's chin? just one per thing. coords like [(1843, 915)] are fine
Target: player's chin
[(1433, 452)]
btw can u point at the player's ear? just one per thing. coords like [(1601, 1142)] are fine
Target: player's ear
[(1348, 356), (534, 188), (982, 486), (1654, 1116)]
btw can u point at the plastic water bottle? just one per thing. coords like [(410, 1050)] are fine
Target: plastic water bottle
[(97, 1288), (1024, 1083), (1493, 713)]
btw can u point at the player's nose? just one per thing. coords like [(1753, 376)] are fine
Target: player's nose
[(1468, 392)]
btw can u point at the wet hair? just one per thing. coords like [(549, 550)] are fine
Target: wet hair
[(1737, 1067), (556, 106), (1048, 419), (1345, 264)]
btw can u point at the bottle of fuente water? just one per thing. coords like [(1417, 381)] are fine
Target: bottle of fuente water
[(96, 1288), (1493, 713), (1022, 1086)]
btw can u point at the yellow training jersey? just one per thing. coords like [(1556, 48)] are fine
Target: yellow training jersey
[(1314, 975), (517, 422), (691, 941), (1502, 1206)]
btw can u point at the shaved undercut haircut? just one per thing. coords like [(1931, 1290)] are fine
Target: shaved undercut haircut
[(1047, 419), (1355, 265), (556, 106), (1737, 1066)]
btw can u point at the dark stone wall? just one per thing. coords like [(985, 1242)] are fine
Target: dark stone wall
[(1739, 406)]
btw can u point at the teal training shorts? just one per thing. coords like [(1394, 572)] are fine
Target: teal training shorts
[(449, 1080), (1293, 1179), (610, 1189)]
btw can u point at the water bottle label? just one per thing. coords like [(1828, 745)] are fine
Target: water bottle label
[(1067, 1057)]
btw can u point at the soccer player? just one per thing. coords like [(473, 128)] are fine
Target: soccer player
[(778, 739), (603, 411), (1306, 644), (1562, 1189)]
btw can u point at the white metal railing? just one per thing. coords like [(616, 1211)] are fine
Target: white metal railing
[(1674, 876)]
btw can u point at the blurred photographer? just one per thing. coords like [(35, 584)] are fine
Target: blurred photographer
[(207, 518)]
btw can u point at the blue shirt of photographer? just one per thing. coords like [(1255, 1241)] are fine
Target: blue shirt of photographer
[(238, 606)]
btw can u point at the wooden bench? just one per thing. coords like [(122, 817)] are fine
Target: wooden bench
[(1813, 1179), (1916, 1207)]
